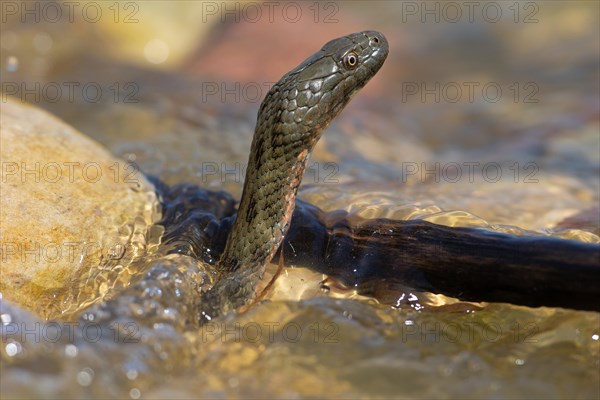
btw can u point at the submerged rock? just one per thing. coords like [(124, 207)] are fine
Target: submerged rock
[(69, 210)]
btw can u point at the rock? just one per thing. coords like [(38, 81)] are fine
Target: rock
[(72, 216)]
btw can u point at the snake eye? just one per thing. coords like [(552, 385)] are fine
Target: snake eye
[(351, 60)]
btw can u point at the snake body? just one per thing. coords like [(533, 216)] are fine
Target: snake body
[(290, 121)]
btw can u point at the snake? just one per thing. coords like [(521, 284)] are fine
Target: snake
[(290, 121)]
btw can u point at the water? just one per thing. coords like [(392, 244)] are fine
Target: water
[(306, 342)]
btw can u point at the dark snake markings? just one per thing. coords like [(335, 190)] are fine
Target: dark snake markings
[(469, 264)]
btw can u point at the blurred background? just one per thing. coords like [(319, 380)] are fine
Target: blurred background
[(484, 114)]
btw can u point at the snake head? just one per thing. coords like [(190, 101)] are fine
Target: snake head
[(309, 97), (326, 81)]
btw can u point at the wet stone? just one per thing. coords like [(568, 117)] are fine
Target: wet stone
[(69, 217)]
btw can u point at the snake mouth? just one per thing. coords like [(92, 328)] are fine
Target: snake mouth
[(379, 50)]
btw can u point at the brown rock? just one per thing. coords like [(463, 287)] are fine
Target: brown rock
[(72, 216)]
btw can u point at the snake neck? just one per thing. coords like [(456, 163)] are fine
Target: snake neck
[(275, 168)]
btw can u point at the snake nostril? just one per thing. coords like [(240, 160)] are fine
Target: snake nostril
[(375, 39)]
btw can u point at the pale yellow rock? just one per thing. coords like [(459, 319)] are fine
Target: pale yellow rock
[(72, 216)]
